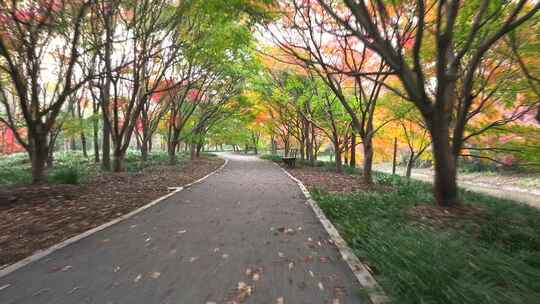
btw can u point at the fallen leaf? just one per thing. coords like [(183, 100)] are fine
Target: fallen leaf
[(256, 277), (66, 268), (244, 291), (74, 289), (137, 278), (290, 231)]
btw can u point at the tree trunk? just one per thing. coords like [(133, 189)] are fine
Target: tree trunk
[(106, 146), (346, 152), (353, 150), (96, 141), (339, 165), (95, 130), (410, 165), (445, 184), (367, 145), (83, 145), (144, 150), (171, 151), (118, 163), (39, 152), (199, 149)]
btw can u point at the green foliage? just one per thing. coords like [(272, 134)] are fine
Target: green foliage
[(491, 257), (71, 167), (271, 157), (65, 175), (15, 169)]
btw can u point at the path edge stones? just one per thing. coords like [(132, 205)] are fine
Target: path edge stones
[(374, 291), (45, 252)]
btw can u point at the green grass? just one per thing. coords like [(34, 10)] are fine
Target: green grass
[(70, 167), (490, 257)]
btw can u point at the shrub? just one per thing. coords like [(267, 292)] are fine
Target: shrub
[(271, 157), (65, 175)]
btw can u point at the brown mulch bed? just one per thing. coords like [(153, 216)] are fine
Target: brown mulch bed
[(37, 217), (329, 180), (455, 217)]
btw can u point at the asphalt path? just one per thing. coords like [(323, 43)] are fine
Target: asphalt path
[(244, 235)]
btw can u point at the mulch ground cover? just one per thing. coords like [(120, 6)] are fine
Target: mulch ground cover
[(37, 217), (330, 181)]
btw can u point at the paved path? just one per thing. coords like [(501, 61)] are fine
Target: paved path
[(217, 242)]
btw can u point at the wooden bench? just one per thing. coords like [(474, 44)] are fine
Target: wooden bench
[(290, 158)]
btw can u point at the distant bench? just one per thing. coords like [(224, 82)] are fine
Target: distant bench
[(290, 158)]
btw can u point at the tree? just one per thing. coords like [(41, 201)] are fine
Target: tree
[(39, 51), (436, 53), (303, 33)]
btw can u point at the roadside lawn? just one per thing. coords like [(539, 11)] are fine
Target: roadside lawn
[(487, 251), (80, 196)]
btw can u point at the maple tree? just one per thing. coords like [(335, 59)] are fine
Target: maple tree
[(437, 55)]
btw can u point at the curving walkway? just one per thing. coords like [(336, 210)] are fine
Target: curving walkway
[(244, 235)]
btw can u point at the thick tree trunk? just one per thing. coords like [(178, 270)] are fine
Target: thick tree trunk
[(171, 151), (367, 145), (118, 162), (39, 152), (445, 185)]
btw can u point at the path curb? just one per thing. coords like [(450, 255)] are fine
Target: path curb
[(374, 291), (45, 252)]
